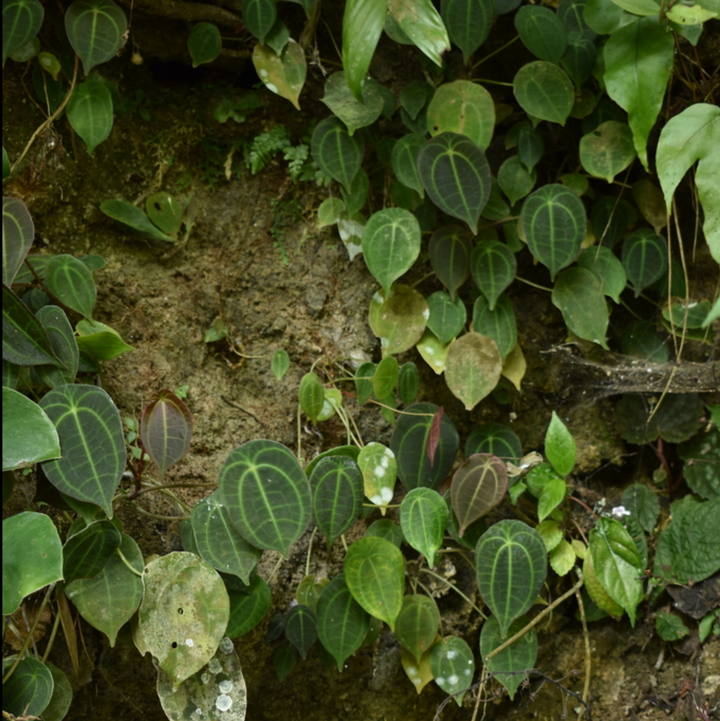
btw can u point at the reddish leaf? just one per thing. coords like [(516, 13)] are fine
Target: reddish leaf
[(434, 435), (477, 487), (166, 429)]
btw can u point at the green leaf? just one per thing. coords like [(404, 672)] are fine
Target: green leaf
[(670, 627), (498, 324), (379, 471), (447, 318), (473, 368), (463, 108), (62, 340), (95, 29), (300, 628), (32, 557), (248, 609), (495, 439), (93, 444), (607, 150), (579, 295), (134, 218), (617, 564), (108, 600), (643, 505), (100, 341), (560, 447), (433, 352), (423, 517), (166, 429), (219, 542), (90, 112), (280, 364), (417, 625), (511, 565), (702, 458), (579, 60), (385, 377), (29, 436), (284, 73), (605, 16), (545, 91), (404, 161), (468, 23), (507, 666), (27, 693), (398, 319), (86, 553), (386, 529), (391, 244), (610, 217), (408, 383), (597, 592), (456, 175), (493, 268), (62, 696), (450, 247), (204, 43), (645, 258), (607, 269), (363, 381), (542, 32), (409, 444), (337, 154), (342, 623), (676, 419), (355, 113), (453, 666), (267, 494), (165, 212), (183, 614), (21, 20), (478, 485), (312, 396), (422, 24), (259, 17), (375, 574), (337, 494), (639, 7), (284, 661), (70, 281), (358, 48), (17, 236), (515, 180), (529, 143), (638, 63), (554, 222), (551, 496)]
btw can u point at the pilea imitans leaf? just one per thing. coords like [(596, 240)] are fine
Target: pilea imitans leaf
[(375, 574), (456, 175), (166, 429), (468, 23), (645, 258), (450, 247), (511, 565), (478, 485), (17, 235), (453, 666), (417, 625), (498, 324), (472, 368), (423, 517), (267, 494), (337, 154), (96, 31), (579, 295)]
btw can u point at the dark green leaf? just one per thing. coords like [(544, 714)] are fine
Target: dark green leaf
[(21, 20), (464, 108), (468, 23), (472, 368), (447, 317), (414, 97), (493, 269), (346, 451), (70, 281), (495, 439), (560, 447), (87, 552), (409, 444), (92, 441), (670, 627), (284, 661), (579, 295), (96, 30), (248, 609), (300, 628), (478, 485), (17, 236), (204, 43), (643, 505), (356, 198), (259, 17), (166, 429), (417, 625), (544, 91), (62, 340), (542, 32), (607, 268), (453, 666), (511, 565), (571, 12), (386, 529), (579, 58), (641, 340), (450, 248), (61, 700), (408, 383), (134, 218), (358, 47), (385, 377), (498, 324), (27, 693), (423, 517), (456, 175), (645, 258), (404, 161), (267, 494), (363, 381), (514, 179), (677, 419), (337, 154), (516, 658), (90, 109), (702, 463), (355, 113), (100, 341), (530, 145), (312, 396)]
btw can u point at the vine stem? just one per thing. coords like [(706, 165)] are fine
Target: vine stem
[(588, 655), (454, 588)]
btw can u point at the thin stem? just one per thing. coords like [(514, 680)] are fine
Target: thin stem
[(309, 551), (127, 563), (588, 655), (495, 52), (486, 81), (534, 285), (454, 587), (53, 634)]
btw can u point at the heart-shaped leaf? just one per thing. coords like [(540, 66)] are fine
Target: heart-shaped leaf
[(358, 48), (379, 471), (414, 97), (267, 494), (493, 268), (100, 341), (544, 91), (433, 352), (494, 439), (28, 691), (342, 623), (478, 485), (529, 143), (609, 218), (87, 552), (417, 625), (607, 268), (354, 113), (450, 247), (554, 223), (363, 381), (92, 441), (204, 43), (133, 217), (69, 280), (607, 150), (511, 566), (385, 377), (62, 339), (375, 574), (498, 324), (507, 666), (579, 59), (283, 73), (219, 542), (453, 666), (422, 24), (96, 30), (409, 444), (456, 175), (259, 17), (463, 108), (183, 614), (17, 235), (468, 23), (90, 110), (398, 319), (337, 154), (423, 517), (472, 368), (542, 32), (391, 244), (21, 20), (645, 258), (515, 179), (404, 161), (579, 295), (166, 429), (165, 212), (560, 446), (312, 396), (408, 383), (447, 317), (248, 609), (337, 494), (300, 628)]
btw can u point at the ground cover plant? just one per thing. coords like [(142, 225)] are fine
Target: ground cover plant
[(580, 158)]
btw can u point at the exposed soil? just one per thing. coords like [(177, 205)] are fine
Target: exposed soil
[(315, 307)]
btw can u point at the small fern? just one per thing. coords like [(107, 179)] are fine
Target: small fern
[(266, 146)]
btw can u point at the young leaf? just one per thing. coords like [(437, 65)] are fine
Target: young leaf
[(204, 43), (498, 324), (404, 161), (453, 666), (468, 23), (578, 294), (516, 658), (560, 446), (355, 113), (463, 108), (478, 485), (87, 552), (447, 317), (17, 236), (493, 268), (398, 319), (90, 109), (422, 24), (472, 368), (423, 517), (544, 91), (511, 565), (134, 218), (645, 258), (62, 339), (337, 154), (456, 175), (358, 48), (597, 592), (551, 496), (280, 364), (300, 628), (70, 281), (643, 505), (165, 212), (515, 180), (28, 691), (607, 268), (375, 574), (408, 383), (417, 625), (248, 609), (607, 150), (542, 32), (96, 30), (496, 440), (385, 377), (282, 73), (259, 17), (433, 352), (267, 494), (284, 661), (363, 381), (450, 247), (100, 341), (379, 471), (312, 396), (21, 20)]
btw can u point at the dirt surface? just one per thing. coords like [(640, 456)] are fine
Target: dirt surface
[(315, 307)]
